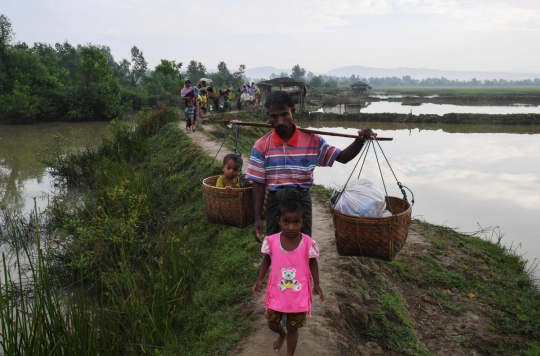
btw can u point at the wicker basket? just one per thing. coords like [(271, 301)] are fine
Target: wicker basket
[(232, 207), (373, 237), (213, 95)]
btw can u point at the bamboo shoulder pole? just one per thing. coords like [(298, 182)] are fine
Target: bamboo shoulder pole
[(257, 124)]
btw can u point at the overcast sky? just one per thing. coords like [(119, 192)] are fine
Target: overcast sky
[(320, 35)]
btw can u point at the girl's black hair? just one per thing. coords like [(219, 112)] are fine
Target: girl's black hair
[(278, 99), (230, 156), (291, 206)]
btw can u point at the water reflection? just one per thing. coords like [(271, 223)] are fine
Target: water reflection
[(22, 176), (462, 180), (431, 109), (345, 108)]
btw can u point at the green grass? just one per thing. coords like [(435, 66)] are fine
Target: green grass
[(394, 322), (158, 276), (458, 90)]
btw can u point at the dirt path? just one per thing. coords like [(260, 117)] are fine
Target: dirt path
[(319, 337)]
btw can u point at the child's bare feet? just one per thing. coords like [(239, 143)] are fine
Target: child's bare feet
[(279, 342)]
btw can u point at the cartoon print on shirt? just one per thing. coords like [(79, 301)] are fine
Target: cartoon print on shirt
[(289, 282)]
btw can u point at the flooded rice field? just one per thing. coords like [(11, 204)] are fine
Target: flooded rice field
[(463, 176), (430, 108)]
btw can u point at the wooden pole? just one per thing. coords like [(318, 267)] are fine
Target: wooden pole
[(256, 124)]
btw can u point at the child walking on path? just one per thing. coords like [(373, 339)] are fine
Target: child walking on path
[(190, 115), (293, 258)]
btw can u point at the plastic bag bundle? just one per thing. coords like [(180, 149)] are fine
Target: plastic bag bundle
[(361, 198)]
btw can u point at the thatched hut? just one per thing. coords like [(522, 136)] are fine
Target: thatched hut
[(296, 89), (360, 88)]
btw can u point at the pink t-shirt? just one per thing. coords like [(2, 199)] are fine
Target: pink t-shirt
[(289, 280)]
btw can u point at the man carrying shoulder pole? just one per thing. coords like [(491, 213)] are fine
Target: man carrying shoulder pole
[(283, 161)]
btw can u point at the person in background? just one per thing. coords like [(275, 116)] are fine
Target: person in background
[(238, 99), (204, 101), (226, 103), (232, 95), (190, 115), (197, 100), (246, 98), (257, 96), (251, 90), (188, 94)]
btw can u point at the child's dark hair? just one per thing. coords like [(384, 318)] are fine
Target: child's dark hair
[(291, 206), (278, 99), (229, 157)]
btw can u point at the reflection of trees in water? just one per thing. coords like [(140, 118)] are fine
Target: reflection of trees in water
[(15, 170), (21, 147), (346, 108)]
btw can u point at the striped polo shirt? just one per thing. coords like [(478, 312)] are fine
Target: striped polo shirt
[(280, 164)]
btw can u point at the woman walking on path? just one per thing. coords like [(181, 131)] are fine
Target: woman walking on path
[(188, 93)]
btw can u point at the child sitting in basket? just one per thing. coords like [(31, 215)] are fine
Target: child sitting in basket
[(229, 179)]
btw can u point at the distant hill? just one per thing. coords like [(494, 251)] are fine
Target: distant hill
[(422, 73), (264, 72)]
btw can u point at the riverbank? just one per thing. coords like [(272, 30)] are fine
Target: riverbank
[(175, 284)]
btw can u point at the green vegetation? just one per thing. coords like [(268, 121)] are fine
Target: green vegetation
[(156, 275), (66, 82)]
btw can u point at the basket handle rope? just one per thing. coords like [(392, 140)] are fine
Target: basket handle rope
[(401, 186), (363, 154)]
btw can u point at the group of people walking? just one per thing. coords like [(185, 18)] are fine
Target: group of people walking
[(282, 163), (196, 99)]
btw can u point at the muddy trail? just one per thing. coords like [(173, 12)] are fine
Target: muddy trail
[(375, 307)]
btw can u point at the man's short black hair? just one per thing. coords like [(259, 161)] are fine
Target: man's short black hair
[(278, 99)]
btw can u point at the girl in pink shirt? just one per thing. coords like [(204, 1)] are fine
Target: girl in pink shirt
[(292, 256)]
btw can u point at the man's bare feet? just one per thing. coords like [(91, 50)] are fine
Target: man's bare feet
[(279, 342)]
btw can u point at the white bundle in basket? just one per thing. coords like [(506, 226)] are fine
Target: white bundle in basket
[(361, 198)]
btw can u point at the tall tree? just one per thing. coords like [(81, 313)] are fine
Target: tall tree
[(6, 36), (122, 72), (316, 81), (97, 91), (138, 65), (298, 73), (195, 71), (68, 57)]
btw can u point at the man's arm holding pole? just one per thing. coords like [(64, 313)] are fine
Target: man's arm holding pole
[(354, 148)]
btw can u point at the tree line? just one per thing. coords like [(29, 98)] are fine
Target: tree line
[(67, 82), (320, 81)]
